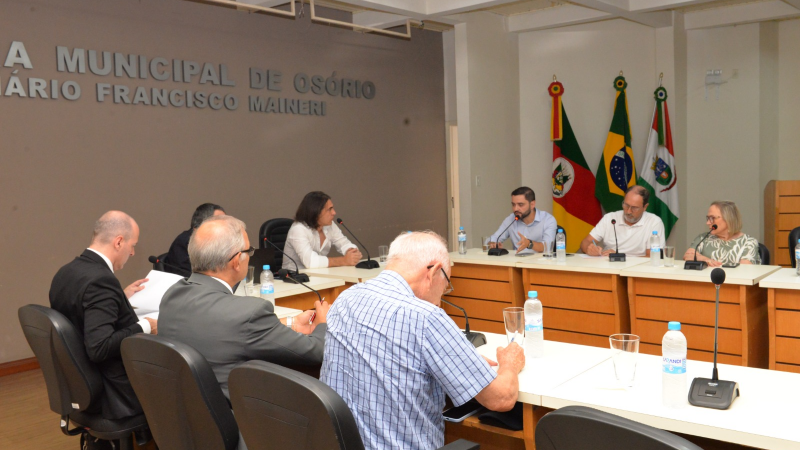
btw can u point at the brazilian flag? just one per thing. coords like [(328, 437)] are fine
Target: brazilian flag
[(617, 171)]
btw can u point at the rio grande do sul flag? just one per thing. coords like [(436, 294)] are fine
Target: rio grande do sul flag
[(658, 175), (574, 205), (616, 172)]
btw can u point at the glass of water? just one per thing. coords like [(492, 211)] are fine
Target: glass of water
[(383, 251), (249, 281), (669, 256), (514, 319), (624, 350)]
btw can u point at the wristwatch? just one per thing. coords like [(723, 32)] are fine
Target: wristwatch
[(530, 245)]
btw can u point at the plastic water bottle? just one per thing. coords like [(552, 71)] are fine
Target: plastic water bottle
[(462, 241), (268, 285), (655, 250), (797, 256), (534, 328), (561, 246), (673, 375)]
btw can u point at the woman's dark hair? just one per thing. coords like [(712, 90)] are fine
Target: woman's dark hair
[(310, 208), (203, 212)]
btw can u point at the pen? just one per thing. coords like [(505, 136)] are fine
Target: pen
[(314, 315)]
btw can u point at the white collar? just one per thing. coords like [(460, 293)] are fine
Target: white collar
[(224, 284), (105, 258)]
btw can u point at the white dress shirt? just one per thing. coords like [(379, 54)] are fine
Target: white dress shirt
[(302, 245), (144, 323), (634, 239)]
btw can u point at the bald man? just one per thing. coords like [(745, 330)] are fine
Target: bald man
[(88, 293)]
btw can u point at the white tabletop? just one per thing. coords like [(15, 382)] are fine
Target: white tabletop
[(782, 279), (349, 274), (764, 416), (283, 289), (478, 256), (583, 263), (745, 274)]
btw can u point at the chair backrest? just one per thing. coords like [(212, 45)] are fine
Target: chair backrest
[(276, 231), (794, 235), (159, 264), (73, 381), (180, 395), (601, 431), (763, 252), (278, 407)]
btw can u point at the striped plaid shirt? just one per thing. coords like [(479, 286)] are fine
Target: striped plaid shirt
[(393, 357)]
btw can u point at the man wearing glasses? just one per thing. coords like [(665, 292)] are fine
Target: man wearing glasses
[(202, 311), (634, 226), (392, 353)]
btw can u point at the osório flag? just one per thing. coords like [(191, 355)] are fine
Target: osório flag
[(616, 172), (574, 205)]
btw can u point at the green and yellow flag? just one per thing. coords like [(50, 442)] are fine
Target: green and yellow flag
[(616, 172)]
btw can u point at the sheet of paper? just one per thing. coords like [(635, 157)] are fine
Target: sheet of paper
[(149, 299), (584, 255)]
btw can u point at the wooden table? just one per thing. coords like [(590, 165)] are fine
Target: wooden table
[(783, 311), (297, 296), (585, 299), (658, 295), (348, 274), (484, 286)]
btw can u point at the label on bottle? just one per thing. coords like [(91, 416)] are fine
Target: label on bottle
[(462, 238), (655, 249), (534, 325), (267, 289), (561, 245), (673, 366)]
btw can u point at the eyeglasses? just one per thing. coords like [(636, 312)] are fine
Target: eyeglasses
[(250, 251), (712, 219), (634, 209), (450, 289)]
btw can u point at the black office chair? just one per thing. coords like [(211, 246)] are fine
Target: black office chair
[(278, 407), (579, 428), (159, 264), (763, 252), (276, 231), (74, 385), (180, 395), (794, 235)]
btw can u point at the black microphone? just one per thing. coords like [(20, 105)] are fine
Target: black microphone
[(288, 276), (369, 263), (714, 393), (616, 257), (474, 338), (699, 265), (155, 260), (497, 251)]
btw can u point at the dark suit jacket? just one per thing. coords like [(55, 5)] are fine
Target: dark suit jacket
[(178, 255), (90, 296), (227, 329)]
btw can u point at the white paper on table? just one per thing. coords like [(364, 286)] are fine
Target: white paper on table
[(584, 255), (148, 299)]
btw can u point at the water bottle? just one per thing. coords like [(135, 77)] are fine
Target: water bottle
[(462, 241), (797, 256), (534, 328), (673, 374), (561, 245), (655, 249), (267, 285)]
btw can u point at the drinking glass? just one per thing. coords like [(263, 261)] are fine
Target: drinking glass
[(624, 350), (249, 282), (485, 241), (383, 251), (669, 256), (514, 319), (548, 248)]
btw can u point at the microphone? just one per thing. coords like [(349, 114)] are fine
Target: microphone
[(288, 276), (474, 338), (155, 260), (699, 265), (617, 256), (714, 393), (369, 263), (497, 251)]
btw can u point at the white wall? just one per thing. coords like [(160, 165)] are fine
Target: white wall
[(789, 99)]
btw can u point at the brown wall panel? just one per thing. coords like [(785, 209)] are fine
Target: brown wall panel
[(787, 350), (482, 289), (686, 290), (481, 272), (687, 311), (566, 298), (697, 337), (786, 299), (480, 309), (583, 322), (581, 280)]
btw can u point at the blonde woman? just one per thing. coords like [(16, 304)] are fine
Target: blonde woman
[(727, 244)]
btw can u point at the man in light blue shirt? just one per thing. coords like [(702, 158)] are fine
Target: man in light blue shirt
[(393, 354), (530, 227)]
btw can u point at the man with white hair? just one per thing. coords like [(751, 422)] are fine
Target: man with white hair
[(202, 311), (88, 293), (392, 353)]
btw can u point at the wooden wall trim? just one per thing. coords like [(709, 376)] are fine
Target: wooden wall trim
[(22, 365)]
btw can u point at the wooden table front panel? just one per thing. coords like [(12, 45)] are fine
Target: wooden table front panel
[(306, 301), (784, 330), (579, 307), (483, 291), (742, 319)]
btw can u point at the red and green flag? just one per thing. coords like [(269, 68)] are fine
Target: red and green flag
[(616, 172), (574, 205)]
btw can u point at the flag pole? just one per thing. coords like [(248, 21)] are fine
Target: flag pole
[(660, 79)]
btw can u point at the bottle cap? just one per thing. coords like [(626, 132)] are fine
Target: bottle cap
[(460, 228), (266, 267), (674, 326), (533, 294), (655, 232)]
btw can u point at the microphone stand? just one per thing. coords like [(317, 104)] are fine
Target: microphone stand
[(474, 338), (617, 256), (699, 265), (288, 276), (497, 251), (369, 263)]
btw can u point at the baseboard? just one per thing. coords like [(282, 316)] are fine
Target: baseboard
[(21, 365)]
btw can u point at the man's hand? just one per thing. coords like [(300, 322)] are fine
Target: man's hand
[(352, 256), (512, 357), (322, 312), (301, 322), (594, 250), (153, 325), (492, 363), (135, 287), (608, 252), (523, 242)]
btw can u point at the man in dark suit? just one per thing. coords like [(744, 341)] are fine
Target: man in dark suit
[(178, 255), (90, 296), (202, 311)]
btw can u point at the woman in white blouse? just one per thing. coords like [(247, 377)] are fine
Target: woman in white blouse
[(313, 233)]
